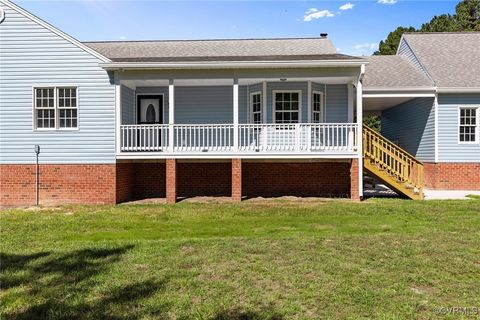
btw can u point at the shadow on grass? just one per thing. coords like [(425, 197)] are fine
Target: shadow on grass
[(61, 286), (237, 314)]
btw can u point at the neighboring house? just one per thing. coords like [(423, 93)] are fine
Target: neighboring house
[(264, 117)]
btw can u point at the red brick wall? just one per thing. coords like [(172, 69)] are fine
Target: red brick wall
[(59, 184), (204, 179), (452, 176), (270, 179), (236, 180), (125, 184)]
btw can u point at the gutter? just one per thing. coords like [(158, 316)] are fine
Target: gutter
[(458, 90), (113, 66)]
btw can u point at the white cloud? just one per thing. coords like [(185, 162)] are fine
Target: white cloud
[(387, 1), (314, 13), (347, 6), (366, 48)]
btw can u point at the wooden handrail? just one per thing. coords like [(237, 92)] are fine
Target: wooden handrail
[(392, 159)]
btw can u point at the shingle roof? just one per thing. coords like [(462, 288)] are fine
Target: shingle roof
[(218, 50), (393, 72), (451, 59)]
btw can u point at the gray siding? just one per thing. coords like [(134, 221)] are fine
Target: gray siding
[(128, 106), (405, 50), (449, 150), (412, 126), (31, 55)]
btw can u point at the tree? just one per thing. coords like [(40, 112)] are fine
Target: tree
[(390, 45), (372, 121), (466, 18), (468, 15), (443, 23)]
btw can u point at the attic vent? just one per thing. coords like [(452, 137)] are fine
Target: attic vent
[(323, 35)]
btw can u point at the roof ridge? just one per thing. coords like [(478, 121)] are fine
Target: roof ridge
[(449, 32), (205, 40)]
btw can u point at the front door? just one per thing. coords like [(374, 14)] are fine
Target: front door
[(150, 109)]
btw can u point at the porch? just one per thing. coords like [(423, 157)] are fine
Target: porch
[(241, 117)]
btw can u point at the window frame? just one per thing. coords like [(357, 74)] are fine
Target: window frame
[(322, 106), (252, 113), (274, 104), (476, 126), (56, 107)]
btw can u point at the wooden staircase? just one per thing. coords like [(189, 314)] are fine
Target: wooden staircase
[(392, 165)]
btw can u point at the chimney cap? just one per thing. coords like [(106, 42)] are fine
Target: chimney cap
[(323, 35)]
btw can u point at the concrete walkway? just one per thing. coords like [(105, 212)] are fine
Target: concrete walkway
[(448, 194)]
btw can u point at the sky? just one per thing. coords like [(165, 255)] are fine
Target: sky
[(355, 27)]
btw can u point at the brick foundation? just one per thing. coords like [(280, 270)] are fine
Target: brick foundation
[(313, 179), (452, 176), (354, 192), (171, 177), (58, 184), (237, 180)]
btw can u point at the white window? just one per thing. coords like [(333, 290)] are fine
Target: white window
[(286, 106), (468, 125), (317, 107), (55, 108), (256, 103)]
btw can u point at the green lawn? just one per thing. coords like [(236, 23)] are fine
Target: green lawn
[(386, 259)]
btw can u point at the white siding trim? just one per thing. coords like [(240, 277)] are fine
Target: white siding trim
[(55, 30), (309, 101), (360, 137), (118, 116)]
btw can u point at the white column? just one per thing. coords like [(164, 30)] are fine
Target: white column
[(360, 136), (171, 114), (264, 102), (118, 116), (235, 114), (309, 101)]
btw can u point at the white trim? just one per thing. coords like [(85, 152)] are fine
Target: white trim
[(135, 105), (309, 101), (265, 101), (118, 116), (399, 95), (325, 102), (235, 113), (230, 64), (400, 89), (51, 28), (360, 129), (274, 109), (322, 107), (171, 114), (477, 125), (252, 155), (251, 117), (436, 110), (458, 90)]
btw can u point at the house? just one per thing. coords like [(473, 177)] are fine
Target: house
[(115, 121)]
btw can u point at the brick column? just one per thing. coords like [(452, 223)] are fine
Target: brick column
[(171, 178), (354, 195), (237, 180)]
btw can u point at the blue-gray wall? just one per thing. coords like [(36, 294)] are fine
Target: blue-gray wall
[(412, 126), (31, 55), (449, 150), (214, 104), (128, 106)]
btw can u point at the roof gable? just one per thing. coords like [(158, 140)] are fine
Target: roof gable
[(451, 59), (56, 31)]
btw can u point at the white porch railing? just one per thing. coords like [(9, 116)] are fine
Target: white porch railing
[(144, 137), (193, 138)]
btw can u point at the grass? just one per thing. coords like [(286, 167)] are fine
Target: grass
[(386, 259)]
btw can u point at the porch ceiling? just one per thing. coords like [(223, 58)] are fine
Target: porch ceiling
[(133, 83)]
